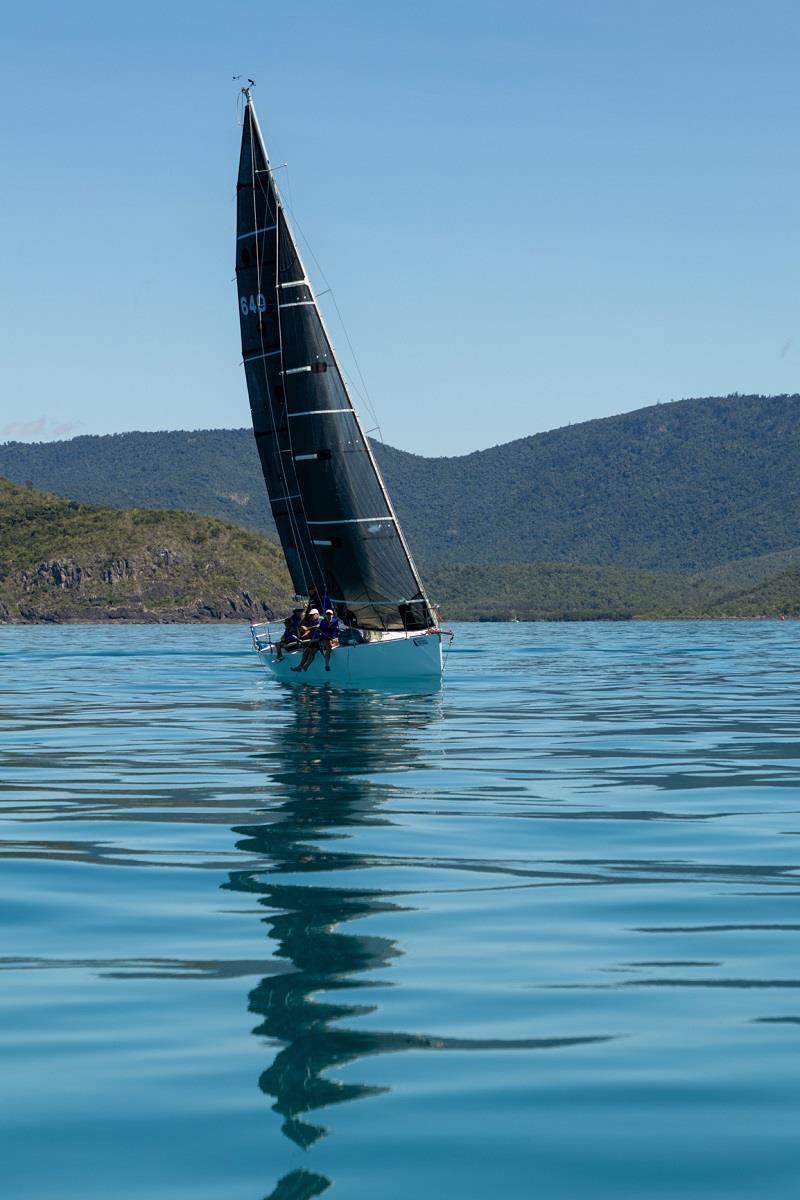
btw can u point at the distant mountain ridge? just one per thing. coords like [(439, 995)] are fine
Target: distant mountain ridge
[(685, 486)]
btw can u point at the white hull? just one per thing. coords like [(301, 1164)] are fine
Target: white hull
[(396, 658)]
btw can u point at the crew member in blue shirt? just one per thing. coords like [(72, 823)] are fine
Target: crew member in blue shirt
[(290, 638), (329, 629)]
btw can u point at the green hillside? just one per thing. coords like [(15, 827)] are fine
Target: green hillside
[(215, 472), (562, 591), (682, 487), (685, 487), (567, 592), (64, 561), (747, 573), (778, 596)]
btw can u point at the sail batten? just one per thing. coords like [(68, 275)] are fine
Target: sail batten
[(333, 514)]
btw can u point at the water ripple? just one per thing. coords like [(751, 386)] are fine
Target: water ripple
[(337, 885)]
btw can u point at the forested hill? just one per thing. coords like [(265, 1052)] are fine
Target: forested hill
[(61, 561), (65, 561), (682, 486)]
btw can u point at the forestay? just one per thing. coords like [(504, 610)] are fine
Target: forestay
[(331, 508)]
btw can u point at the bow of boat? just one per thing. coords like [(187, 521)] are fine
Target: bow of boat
[(392, 658)]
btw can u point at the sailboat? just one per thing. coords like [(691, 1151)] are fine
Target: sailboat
[(342, 540)]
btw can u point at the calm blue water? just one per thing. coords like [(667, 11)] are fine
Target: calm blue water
[(536, 935)]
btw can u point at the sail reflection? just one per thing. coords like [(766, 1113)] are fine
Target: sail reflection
[(323, 763), (330, 766), (299, 1185)]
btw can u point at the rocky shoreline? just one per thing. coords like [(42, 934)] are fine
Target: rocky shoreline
[(175, 567)]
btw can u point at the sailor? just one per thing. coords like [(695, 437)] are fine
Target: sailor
[(290, 638), (309, 639), (328, 631)]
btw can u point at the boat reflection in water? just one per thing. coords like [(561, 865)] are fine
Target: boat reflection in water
[(321, 764), (325, 768)]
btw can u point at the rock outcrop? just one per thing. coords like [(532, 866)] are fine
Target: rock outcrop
[(65, 562)]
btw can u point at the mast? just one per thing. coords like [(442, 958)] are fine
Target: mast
[(333, 513)]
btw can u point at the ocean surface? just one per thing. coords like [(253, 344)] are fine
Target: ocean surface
[(535, 935)]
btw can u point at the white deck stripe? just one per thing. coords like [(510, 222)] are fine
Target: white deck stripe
[(253, 232)]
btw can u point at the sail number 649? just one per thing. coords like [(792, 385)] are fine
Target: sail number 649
[(252, 304)]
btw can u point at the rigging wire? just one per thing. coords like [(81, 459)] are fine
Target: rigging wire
[(376, 605), (421, 593), (304, 546), (363, 395)]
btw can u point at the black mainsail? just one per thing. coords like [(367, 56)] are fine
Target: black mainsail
[(334, 518)]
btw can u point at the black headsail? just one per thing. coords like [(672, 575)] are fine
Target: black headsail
[(331, 508)]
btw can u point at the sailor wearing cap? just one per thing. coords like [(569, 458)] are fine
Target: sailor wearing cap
[(329, 629), (309, 636)]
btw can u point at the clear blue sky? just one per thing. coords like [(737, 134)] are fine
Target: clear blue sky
[(531, 213)]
